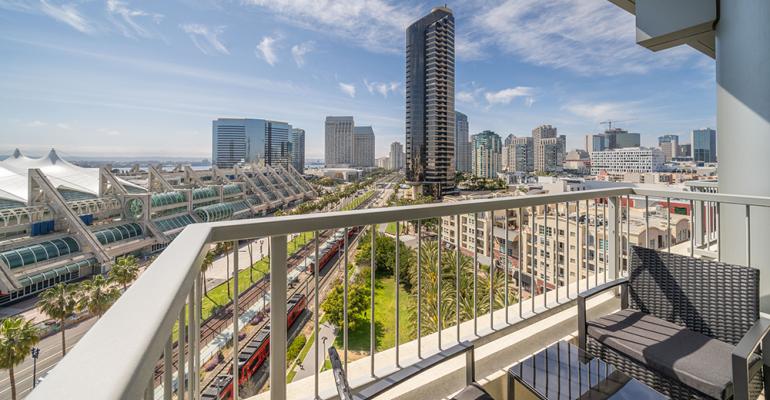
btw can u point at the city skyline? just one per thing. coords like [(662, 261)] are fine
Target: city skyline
[(178, 70)]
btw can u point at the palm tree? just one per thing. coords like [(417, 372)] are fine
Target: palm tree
[(97, 295), (208, 261), (17, 336), (124, 271), (58, 302), (225, 248), (251, 263)]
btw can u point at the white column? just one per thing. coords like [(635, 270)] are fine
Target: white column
[(743, 129), (278, 317)]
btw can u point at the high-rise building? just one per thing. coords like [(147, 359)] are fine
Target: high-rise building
[(617, 138), (684, 151), (549, 149), (297, 142), (383, 162), (396, 157), (430, 111), (363, 146), (629, 159), (518, 154), (669, 144), (338, 145), (487, 154), (704, 145), (595, 142), (509, 139), (462, 145), (236, 140)]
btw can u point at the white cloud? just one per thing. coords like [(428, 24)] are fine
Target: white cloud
[(602, 111), (125, 19), (467, 48), (298, 51), (36, 124), (206, 39), (382, 88), (62, 125), (266, 50), (465, 97), (585, 36), (112, 132), (348, 88), (376, 25), (505, 96), (68, 14)]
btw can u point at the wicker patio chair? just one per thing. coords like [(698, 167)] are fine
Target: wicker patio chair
[(688, 327)]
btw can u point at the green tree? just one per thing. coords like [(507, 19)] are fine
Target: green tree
[(385, 256), (17, 336), (59, 302), (358, 303), (449, 285), (225, 248), (124, 271), (96, 296)]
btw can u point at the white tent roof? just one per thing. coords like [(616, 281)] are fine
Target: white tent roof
[(14, 179)]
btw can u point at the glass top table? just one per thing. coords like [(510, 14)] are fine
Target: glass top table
[(564, 372)]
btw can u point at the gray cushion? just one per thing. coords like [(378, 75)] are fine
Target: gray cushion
[(696, 360), (474, 391)]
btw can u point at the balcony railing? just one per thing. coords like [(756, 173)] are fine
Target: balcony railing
[(118, 357)]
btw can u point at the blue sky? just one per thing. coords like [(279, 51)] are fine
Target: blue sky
[(127, 77)]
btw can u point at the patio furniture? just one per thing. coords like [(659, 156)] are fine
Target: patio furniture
[(688, 327), (472, 391), (564, 372)]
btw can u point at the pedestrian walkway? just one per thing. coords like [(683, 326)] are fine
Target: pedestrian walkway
[(325, 331)]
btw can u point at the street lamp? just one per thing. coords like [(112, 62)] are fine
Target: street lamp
[(323, 339), (35, 355)]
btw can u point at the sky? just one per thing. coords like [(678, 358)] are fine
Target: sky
[(125, 78)]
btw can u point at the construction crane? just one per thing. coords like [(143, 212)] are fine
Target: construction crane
[(609, 123)]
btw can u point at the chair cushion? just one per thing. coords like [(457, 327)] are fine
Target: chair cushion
[(696, 360), (474, 391)]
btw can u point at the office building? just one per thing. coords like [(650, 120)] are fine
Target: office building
[(595, 142), (462, 145), (383, 162), (244, 140), (518, 154), (396, 157), (430, 111), (338, 144), (669, 144), (363, 146), (487, 153), (616, 138), (297, 142), (549, 149), (704, 145), (684, 151), (630, 159)]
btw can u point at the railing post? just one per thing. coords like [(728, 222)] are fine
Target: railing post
[(611, 239), (236, 372), (278, 317)]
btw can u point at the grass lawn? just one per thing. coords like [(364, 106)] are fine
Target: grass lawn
[(385, 320)]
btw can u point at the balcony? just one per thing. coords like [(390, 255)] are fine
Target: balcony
[(119, 357)]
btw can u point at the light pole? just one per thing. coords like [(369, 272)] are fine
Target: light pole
[(323, 339), (35, 355)]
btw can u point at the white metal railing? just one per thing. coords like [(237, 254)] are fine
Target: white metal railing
[(118, 356)]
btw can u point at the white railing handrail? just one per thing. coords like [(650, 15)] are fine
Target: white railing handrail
[(116, 358)]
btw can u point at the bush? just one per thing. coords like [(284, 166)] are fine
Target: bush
[(296, 346)]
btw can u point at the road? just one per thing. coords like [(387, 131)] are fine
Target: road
[(50, 354)]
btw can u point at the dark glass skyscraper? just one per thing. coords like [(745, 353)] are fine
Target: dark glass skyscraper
[(430, 91)]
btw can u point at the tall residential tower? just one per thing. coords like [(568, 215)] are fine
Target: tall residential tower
[(363, 146), (338, 142), (430, 112), (236, 140), (462, 145)]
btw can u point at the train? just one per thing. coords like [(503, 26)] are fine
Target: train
[(253, 354), (328, 249)]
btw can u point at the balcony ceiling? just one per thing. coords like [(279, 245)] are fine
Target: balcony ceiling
[(703, 42)]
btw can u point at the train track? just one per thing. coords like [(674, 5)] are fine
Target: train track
[(216, 323), (323, 284)]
